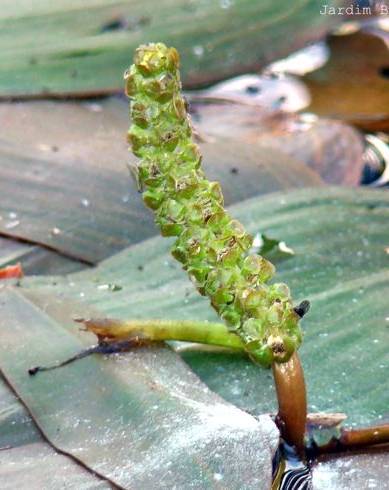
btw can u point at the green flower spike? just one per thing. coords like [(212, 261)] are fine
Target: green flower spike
[(212, 247)]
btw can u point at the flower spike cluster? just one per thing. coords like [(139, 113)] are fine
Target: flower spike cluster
[(212, 246)]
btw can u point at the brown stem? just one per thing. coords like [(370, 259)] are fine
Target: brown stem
[(357, 439), (292, 401), (378, 434)]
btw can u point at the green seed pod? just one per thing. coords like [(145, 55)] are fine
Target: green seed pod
[(213, 247)]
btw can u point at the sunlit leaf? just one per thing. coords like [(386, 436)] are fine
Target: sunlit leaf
[(339, 237), (41, 468), (364, 470), (134, 419)]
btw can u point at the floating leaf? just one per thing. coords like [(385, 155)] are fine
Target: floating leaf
[(341, 267), (39, 467), (74, 192), (82, 48), (134, 419), (36, 259), (345, 471), (16, 427)]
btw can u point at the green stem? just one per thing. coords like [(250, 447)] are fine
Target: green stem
[(288, 376), (159, 330)]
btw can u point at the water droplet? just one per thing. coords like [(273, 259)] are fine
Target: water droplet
[(198, 50), (85, 202), (94, 107), (109, 287), (12, 224), (226, 4), (235, 390), (258, 240)]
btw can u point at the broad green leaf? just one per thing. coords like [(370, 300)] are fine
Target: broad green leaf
[(340, 238), (359, 471), (134, 419), (73, 187), (16, 426), (36, 259), (37, 466), (83, 47)]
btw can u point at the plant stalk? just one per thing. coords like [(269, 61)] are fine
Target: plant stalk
[(292, 401), (159, 330), (121, 334), (288, 376), (378, 434), (357, 439)]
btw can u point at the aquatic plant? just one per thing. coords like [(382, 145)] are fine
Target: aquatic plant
[(213, 247)]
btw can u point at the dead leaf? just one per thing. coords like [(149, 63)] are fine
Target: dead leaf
[(11, 271), (354, 85), (332, 149)]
